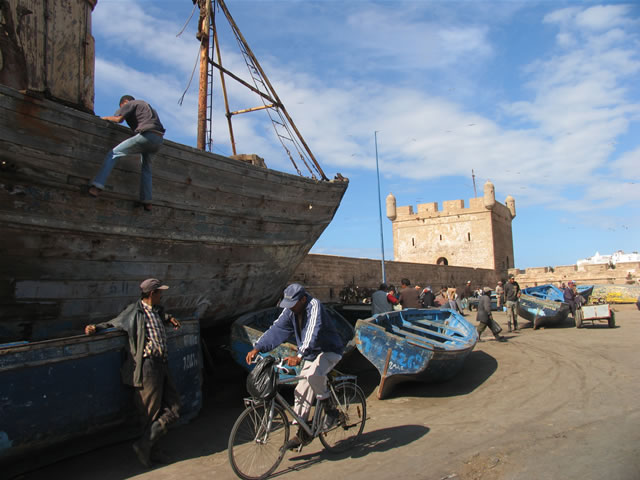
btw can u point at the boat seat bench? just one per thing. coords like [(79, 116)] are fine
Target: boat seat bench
[(439, 325), (421, 338)]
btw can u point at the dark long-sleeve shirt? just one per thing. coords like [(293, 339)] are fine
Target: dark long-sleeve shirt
[(315, 335)]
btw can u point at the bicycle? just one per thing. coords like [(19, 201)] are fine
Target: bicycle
[(258, 437)]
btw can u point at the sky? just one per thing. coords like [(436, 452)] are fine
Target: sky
[(541, 98)]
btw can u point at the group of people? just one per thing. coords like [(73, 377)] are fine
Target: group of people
[(386, 298)]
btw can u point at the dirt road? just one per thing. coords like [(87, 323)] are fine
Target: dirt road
[(558, 403)]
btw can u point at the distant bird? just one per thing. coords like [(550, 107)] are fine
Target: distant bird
[(471, 125)]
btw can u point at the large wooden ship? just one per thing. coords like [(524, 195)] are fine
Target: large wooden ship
[(226, 235)]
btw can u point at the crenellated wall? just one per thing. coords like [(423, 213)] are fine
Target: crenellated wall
[(477, 236)]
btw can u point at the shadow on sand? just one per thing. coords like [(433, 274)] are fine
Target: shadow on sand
[(370, 442)]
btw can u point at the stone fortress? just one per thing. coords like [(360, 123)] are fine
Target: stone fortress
[(451, 246), (478, 236)]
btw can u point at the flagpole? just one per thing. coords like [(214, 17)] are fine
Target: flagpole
[(384, 276)]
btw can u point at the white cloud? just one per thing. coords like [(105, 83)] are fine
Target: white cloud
[(396, 39), (602, 17)]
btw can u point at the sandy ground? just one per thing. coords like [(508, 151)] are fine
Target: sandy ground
[(554, 403)]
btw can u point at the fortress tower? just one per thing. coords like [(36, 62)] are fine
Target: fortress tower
[(477, 236)]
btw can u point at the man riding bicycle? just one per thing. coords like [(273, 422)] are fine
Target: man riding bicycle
[(319, 345)]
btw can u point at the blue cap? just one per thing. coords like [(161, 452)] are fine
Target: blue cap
[(292, 294)]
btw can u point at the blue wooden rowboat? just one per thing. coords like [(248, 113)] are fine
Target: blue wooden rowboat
[(248, 328), (58, 391), (543, 305), (555, 294), (415, 345)]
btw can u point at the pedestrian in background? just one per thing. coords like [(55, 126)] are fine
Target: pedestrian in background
[(512, 294), (409, 297), (452, 296), (427, 298), (380, 300), (485, 317), (441, 299), (392, 296), (500, 294)]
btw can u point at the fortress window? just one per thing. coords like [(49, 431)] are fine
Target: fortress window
[(440, 237), (413, 242), (469, 236)]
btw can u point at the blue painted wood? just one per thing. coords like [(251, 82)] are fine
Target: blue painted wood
[(57, 390), (425, 345), (248, 328), (552, 293), (543, 304)]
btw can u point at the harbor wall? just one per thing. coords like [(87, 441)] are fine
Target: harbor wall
[(325, 276), (627, 273)]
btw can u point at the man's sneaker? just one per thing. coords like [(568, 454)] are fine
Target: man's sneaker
[(293, 443), (300, 439)]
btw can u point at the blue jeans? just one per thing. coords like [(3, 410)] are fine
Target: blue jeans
[(143, 143)]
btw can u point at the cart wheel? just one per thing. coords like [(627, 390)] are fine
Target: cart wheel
[(612, 320), (578, 317)]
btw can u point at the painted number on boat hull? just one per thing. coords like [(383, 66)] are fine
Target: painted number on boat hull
[(189, 361)]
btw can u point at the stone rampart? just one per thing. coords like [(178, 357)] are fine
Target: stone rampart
[(620, 273), (326, 275)]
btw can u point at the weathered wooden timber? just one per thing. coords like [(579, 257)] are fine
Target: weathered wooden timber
[(47, 47), (225, 235)]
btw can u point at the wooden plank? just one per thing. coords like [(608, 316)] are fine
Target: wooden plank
[(424, 321), (403, 331)]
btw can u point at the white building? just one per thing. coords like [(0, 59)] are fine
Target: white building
[(617, 257)]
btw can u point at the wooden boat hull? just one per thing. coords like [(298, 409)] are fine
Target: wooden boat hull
[(225, 235), (248, 328), (353, 311), (541, 312), (415, 345), (59, 390)]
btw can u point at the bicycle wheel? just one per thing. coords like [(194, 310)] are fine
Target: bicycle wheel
[(255, 449), (352, 406)]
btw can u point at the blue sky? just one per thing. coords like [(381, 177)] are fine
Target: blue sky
[(542, 98)]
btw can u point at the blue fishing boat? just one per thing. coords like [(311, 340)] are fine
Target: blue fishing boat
[(543, 305), (248, 328), (555, 294), (415, 345), (58, 391)]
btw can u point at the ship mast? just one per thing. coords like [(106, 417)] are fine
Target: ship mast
[(286, 130)]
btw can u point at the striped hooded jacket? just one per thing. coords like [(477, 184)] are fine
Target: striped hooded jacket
[(318, 333)]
